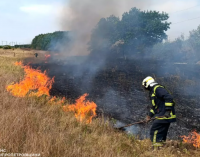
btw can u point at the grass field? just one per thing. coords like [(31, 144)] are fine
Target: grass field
[(32, 125)]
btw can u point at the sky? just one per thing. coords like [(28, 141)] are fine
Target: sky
[(22, 20)]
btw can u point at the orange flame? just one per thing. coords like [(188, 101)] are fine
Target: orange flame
[(59, 102), (35, 83), (47, 57), (18, 63), (52, 99), (84, 110), (193, 138)]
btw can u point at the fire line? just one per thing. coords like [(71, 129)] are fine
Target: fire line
[(37, 83), (83, 109), (193, 138)]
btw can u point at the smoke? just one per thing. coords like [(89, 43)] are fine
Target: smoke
[(114, 84), (82, 16)]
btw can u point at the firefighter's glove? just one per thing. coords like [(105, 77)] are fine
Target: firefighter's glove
[(167, 113), (148, 118)]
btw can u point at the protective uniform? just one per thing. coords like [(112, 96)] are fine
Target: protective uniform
[(163, 109), (36, 55)]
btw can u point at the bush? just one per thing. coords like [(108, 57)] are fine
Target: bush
[(1, 47), (7, 47), (23, 46)]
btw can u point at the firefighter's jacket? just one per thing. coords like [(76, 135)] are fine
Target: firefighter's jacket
[(162, 101)]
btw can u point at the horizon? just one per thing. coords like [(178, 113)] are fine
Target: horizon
[(23, 20)]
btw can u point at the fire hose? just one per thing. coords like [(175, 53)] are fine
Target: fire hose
[(144, 121), (140, 122)]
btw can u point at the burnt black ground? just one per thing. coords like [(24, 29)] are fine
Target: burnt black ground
[(115, 86)]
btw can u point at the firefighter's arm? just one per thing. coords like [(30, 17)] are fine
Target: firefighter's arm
[(150, 115), (166, 96), (152, 108), (151, 112)]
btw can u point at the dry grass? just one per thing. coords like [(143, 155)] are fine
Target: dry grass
[(22, 53), (32, 125)]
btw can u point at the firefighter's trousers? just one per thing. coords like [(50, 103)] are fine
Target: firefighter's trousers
[(158, 133)]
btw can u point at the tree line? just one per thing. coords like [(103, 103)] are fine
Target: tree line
[(180, 50), (140, 33), (137, 30), (50, 41)]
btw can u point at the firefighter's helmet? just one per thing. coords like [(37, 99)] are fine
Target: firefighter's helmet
[(147, 81)]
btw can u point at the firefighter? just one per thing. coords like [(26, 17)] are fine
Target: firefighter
[(36, 55), (162, 109)]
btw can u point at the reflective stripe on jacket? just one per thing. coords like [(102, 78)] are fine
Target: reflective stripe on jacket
[(162, 101)]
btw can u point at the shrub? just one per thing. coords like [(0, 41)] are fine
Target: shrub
[(7, 47)]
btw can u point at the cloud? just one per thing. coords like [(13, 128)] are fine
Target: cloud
[(37, 9)]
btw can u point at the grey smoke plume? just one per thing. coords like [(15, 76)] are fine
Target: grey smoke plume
[(82, 16)]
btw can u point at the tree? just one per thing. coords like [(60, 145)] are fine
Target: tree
[(194, 38), (142, 29), (104, 34), (51, 41), (137, 29), (170, 51)]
